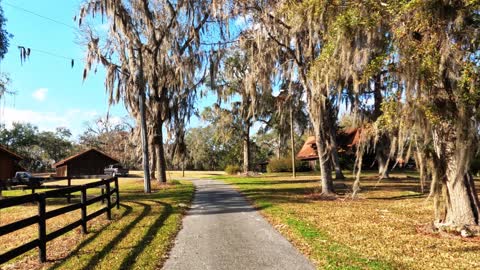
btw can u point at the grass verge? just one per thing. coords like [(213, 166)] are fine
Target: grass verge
[(376, 231), (139, 237)]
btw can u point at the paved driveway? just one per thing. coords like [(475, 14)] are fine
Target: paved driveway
[(223, 231)]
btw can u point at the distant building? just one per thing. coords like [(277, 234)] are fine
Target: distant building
[(89, 162), (309, 150), (346, 141), (8, 163)]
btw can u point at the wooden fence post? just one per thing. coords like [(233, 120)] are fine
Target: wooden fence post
[(42, 228), (84, 209), (109, 201), (69, 195), (102, 189), (117, 191)]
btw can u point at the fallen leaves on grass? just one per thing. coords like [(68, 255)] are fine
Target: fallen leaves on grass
[(378, 231)]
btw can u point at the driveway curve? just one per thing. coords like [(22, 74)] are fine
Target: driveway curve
[(223, 231)]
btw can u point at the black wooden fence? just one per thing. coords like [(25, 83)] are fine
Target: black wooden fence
[(43, 216)]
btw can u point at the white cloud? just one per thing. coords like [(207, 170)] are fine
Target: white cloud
[(40, 94), (72, 119)]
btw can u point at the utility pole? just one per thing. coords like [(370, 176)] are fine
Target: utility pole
[(140, 80), (292, 135), (146, 169)]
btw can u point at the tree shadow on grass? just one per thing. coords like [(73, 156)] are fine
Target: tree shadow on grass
[(174, 195), (147, 238), (281, 193), (107, 248), (76, 251), (115, 241), (276, 182), (470, 249), (401, 197)]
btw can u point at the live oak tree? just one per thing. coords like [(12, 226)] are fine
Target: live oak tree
[(288, 119), (152, 54), (293, 34), (250, 100), (438, 44)]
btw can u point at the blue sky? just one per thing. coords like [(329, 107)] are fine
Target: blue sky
[(49, 93)]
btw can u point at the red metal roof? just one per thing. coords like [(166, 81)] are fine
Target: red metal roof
[(346, 139), (309, 150), (62, 162), (5, 150)]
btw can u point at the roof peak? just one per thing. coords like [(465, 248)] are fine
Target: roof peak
[(61, 162), (6, 150)]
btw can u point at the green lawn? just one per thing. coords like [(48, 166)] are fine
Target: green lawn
[(138, 237), (376, 231)]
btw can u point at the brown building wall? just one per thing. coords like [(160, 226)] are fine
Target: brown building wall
[(62, 171), (91, 163), (7, 166)]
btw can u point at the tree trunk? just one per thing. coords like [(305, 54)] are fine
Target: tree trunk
[(462, 209), (336, 162), (383, 164), (463, 206), (246, 149), (383, 143), (420, 162), (335, 159), (153, 164), (161, 162), (324, 162), (183, 168), (358, 164), (382, 157), (437, 190)]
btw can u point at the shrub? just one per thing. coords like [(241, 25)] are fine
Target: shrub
[(285, 165), (175, 182), (232, 169)]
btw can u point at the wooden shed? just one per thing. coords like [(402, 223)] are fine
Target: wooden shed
[(89, 162), (8, 163)]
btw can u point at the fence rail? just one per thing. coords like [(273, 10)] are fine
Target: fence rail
[(43, 215)]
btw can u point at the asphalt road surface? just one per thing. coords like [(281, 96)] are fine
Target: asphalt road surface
[(223, 231)]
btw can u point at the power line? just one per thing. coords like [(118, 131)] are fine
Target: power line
[(49, 53), (40, 16)]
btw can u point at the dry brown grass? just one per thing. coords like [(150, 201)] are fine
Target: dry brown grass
[(376, 231), (138, 237)]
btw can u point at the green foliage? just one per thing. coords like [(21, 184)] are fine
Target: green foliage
[(285, 165), (207, 150), (470, 85), (4, 35), (39, 149), (232, 169), (388, 120), (279, 165)]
